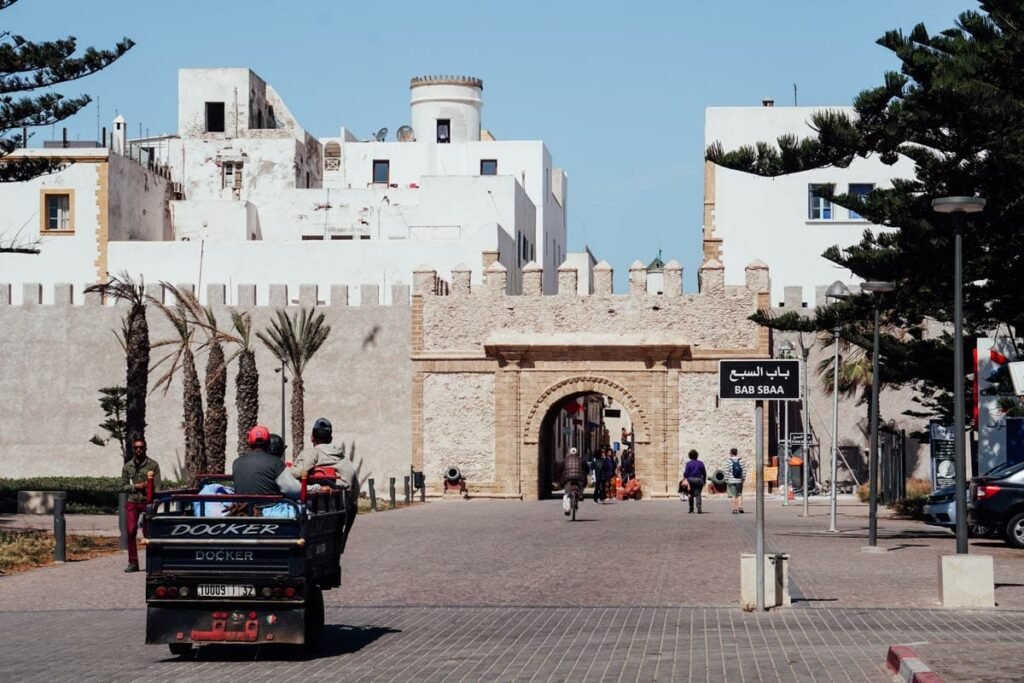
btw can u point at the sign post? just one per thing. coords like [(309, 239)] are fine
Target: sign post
[(760, 381)]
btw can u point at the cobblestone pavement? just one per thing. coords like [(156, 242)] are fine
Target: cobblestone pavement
[(484, 590), (512, 644)]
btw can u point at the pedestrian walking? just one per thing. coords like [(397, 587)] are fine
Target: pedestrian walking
[(601, 474), (695, 475), (735, 474), (134, 475)]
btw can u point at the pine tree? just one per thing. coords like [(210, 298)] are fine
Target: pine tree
[(25, 69), (956, 109)]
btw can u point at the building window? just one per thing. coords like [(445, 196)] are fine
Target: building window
[(861, 191), (57, 211), (214, 117), (231, 175), (488, 167), (818, 208), (364, 237), (332, 156), (381, 171), (307, 238), (444, 131)]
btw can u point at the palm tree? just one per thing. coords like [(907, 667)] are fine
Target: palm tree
[(247, 382), (294, 341), (136, 346), (180, 356), (215, 431)]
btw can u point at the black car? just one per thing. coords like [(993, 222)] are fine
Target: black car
[(997, 500)]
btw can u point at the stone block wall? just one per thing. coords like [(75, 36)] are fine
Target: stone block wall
[(55, 358)]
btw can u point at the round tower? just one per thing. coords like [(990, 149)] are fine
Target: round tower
[(446, 108)]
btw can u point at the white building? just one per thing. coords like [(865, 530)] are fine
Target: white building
[(777, 220), (256, 199)]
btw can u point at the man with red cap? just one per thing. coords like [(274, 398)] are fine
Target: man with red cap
[(260, 473)]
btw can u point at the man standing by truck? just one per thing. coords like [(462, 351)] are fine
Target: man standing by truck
[(134, 475)]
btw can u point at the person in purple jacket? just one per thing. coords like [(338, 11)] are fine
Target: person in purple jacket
[(695, 475)]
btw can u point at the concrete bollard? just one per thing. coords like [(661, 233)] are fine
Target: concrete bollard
[(122, 519), (59, 528), (373, 495), (423, 490), (407, 490), (391, 486)]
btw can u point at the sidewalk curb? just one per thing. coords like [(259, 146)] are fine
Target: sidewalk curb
[(904, 663)]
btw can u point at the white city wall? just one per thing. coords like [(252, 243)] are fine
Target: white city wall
[(767, 218), (55, 358)]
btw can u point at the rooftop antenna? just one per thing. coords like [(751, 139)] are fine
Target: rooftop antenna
[(794, 95), (380, 135)]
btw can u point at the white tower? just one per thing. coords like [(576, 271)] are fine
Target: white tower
[(446, 108), (119, 139)]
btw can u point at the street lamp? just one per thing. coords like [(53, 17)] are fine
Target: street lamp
[(959, 207), (786, 349), (877, 288), (837, 291), (805, 351), (284, 380)]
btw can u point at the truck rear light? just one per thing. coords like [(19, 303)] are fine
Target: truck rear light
[(252, 615), (987, 490), (160, 591), (265, 591), (277, 592), (172, 591), (289, 592), (183, 591)]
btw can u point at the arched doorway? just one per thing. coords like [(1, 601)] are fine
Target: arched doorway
[(587, 421)]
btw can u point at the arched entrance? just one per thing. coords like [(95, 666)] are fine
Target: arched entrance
[(587, 421)]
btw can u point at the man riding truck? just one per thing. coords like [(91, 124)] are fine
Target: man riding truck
[(325, 455), (259, 473), (574, 475)]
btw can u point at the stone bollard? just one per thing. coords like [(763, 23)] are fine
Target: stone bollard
[(391, 486), (407, 490), (122, 519), (59, 528), (373, 495)]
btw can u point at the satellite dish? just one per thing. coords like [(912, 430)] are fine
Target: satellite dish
[(406, 134), (381, 134)]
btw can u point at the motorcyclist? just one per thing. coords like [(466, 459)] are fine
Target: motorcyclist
[(574, 478)]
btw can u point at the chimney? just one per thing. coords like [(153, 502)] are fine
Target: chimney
[(119, 138), (768, 102)]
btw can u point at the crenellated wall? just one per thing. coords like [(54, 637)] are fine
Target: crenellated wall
[(55, 358)]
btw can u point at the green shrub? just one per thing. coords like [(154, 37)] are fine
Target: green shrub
[(912, 504), (86, 495)]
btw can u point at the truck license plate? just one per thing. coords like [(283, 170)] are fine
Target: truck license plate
[(221, 590)]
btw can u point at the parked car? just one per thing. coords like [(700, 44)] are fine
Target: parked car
[(940, 510), (997, 500)]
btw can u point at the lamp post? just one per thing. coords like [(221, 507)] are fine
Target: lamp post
[(876, 288), (786, 351), (837, 291), (806, 352), (959, 207), (284, 380)]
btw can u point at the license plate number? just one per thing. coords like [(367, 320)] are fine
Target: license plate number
[(221, 590)]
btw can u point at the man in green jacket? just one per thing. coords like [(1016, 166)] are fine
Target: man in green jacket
[(134, 475)]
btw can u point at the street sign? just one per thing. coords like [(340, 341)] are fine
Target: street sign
[(759, 380), (800, 438)]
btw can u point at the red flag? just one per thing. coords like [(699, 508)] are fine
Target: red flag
[(997, 357)]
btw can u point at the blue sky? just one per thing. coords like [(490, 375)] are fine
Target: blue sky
[(616, 90)]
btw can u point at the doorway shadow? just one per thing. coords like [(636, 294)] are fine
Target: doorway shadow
[(338, 640)]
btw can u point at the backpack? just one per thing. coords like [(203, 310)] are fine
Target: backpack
[(737, 469)]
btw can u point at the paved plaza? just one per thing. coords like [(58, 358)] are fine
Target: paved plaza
[(481, 590)]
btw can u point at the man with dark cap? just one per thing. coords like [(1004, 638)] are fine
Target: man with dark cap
[(323, 453)]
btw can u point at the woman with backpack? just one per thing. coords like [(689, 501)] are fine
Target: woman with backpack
[(735, 473)]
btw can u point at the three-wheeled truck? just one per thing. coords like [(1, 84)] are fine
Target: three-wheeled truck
[(225, 568)]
